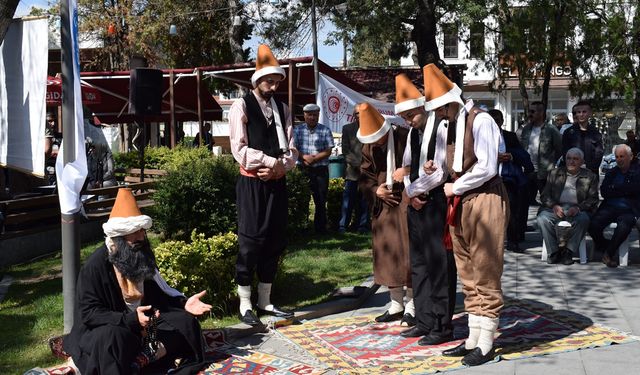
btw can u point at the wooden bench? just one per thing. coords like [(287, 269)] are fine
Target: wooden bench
[(133, 175), (103, 198), (30, 214)]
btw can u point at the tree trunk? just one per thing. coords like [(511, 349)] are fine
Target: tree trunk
[(235, 37), (424, 33), (7, 10), (554, 34)]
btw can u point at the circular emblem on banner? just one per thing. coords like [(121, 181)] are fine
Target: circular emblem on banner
[(336, 104)]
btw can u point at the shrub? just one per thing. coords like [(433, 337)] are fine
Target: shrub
[(299, 193), (204, 264), (197, 194), (334, 202), (160, 157)]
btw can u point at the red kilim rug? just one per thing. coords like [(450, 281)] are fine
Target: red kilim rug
[(355, 345)]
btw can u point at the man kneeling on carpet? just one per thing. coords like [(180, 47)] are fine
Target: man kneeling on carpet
[(126, 315)]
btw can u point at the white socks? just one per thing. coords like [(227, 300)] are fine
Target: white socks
[(488, 328), (244, 292), (474, 332), (397, 297), (264, 296), (409, 307)]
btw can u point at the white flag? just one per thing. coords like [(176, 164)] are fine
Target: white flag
[(71, 177), (337, 101)]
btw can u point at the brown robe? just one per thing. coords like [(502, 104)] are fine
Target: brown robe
[(391, 265)]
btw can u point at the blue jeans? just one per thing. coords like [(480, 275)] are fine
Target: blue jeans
[(351, 197)]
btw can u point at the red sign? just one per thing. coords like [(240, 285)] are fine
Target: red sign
[(90, 95)]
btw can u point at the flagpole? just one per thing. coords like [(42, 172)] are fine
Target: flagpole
[(69, 222)]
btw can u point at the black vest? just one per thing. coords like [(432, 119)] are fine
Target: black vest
[(260, 135)]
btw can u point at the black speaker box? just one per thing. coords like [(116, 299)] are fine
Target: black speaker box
[(145, 91)]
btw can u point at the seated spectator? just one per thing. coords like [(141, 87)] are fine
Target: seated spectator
[(126, 315), (100, 165), (621, 192), (568, 198)]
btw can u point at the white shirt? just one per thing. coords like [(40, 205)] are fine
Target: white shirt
[(425, 182), (487, 143)]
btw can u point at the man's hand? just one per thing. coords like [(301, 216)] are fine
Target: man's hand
[(573, 211), (387, 195), (308, 160), (557, 209), (143, 319), (417, 203), (196, 307), (398, 174), (429, 167), (504, 156), (265, 173), (448, 189), (278, 170)]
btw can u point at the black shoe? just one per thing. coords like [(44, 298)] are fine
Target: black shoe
[(250, 318), (553, 258), (458, 351), (475, 358), (435, 339), (386, 317), (414, 331), (276, 312), (567, 257), (514, 247), (408, 320), (609, 261), (530, 228)]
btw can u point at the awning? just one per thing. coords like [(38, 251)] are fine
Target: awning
[(303, 90), (90, 95), (114, 90)]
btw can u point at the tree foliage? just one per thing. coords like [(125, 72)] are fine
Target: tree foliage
[(140, 28)]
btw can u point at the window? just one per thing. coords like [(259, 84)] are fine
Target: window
[(476, 41), (450, 32)]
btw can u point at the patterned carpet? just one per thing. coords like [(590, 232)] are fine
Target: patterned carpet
[(357, 346)]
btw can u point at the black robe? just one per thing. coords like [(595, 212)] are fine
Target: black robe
[(106, 336)]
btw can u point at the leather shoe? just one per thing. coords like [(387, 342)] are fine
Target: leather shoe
[(475, 358), (408, 320), (435, 339), (609, 262), (553, 258), (414, 331), (277, 312), (386, 317), (250, 318), (567, 257), (458, 351)]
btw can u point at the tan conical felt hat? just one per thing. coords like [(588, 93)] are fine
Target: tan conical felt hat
[(372, 125), (266, 64), (407, 94), (438, 89), (125, 205)]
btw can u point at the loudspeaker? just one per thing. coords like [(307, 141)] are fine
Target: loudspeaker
[(145, 91)]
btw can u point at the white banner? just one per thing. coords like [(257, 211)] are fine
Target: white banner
[(337, 101), (23, 84), (71, 176)]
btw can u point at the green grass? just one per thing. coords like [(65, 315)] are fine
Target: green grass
[(32, 310)]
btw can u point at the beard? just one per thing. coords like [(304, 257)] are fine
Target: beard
[(136, 261), (266, 95)]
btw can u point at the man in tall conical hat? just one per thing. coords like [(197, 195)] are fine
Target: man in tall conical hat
[(119, 289), (381, 155), (478, 213), (261, 135), (433, 267)]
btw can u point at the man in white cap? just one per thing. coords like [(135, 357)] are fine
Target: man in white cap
[(126, 315), (314, 143), (262, 143), (479, 214), (432, 266), (382, 150)]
